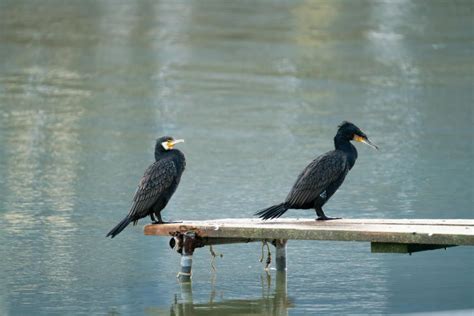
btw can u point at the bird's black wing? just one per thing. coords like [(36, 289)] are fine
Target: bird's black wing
[(157, 179), (316, 177)]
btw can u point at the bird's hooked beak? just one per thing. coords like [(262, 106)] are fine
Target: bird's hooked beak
[(169, 144), (365, 140)]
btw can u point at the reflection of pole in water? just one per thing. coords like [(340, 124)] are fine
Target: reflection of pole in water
[(186, 293), (281, 283), (281, 301), (269, 303), (184, 306)]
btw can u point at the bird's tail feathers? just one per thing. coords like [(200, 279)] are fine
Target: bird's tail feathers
[(120, 226), (271, 212)]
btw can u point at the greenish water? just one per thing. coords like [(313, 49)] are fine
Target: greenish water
[(257, 90)]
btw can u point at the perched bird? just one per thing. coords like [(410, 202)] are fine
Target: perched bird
[(157, 184), (323, 176)]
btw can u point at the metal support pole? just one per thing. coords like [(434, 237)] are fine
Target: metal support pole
[(187, 257), (280, 245)]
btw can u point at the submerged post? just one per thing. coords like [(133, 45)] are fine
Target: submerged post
[(280, 256), (187, 257)]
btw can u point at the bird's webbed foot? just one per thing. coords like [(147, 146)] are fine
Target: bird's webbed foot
[(326, 218), (322, 216), (154, 219), (160, 221)]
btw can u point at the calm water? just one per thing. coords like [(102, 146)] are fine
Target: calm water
[(257, 90)]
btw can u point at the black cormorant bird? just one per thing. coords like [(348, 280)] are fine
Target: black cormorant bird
[(323, 176), (157, 184)]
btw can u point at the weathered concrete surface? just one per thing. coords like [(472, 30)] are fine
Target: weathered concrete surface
[(413, 231)]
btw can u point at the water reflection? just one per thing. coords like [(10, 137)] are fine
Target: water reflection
[(274, 301), (40, 169), (257, 90)]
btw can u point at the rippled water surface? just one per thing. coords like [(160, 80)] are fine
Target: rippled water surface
[(257, 90)]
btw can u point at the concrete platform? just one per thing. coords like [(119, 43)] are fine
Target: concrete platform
[(385, 235), (405, 231)]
